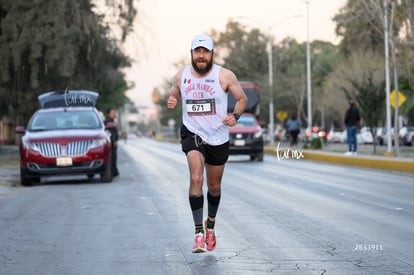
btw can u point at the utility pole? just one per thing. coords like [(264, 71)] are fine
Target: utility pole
[(308, 70), (387, 80)]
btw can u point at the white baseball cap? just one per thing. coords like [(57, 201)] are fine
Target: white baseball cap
[(202, 40)]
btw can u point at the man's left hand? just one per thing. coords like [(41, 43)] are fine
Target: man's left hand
[(230, 121)]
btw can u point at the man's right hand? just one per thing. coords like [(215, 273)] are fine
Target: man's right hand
[(172, 101)]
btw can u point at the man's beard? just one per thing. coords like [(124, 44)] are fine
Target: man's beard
[(200, 70)]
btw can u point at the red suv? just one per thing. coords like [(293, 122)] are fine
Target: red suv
[(246, 138), (66, 137)]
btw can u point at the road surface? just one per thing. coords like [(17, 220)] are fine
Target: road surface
[(280, 216)]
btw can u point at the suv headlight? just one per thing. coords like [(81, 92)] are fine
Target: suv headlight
[(30, 146), (98, 143), (258, 134)]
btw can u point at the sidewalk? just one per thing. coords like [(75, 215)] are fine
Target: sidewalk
[(335, 154), (9, 152), (9, 168)]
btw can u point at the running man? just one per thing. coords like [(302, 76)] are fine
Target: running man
[(202, 88)]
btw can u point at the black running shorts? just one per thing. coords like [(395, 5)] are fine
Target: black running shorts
[(213, 155)]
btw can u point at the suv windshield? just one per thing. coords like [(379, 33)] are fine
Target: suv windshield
[(59, 120), (246, 121)]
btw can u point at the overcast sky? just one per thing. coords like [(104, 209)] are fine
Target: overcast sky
[(164, 30)]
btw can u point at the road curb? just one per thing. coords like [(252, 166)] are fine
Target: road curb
[(382, 163)]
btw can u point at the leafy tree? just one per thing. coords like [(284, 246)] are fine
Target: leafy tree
[(359, 24), (290, 76), (408, 14), (325, 59), (406, 85), (402, 55), (48, 45), (244, 52), (120, 13), (361, 78)]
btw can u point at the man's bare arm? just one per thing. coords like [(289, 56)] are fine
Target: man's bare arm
[(229, 79)]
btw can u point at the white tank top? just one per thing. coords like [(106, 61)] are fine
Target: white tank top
[(204, 106)]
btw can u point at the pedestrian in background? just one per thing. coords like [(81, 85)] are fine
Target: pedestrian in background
[(110, 118), (293, 127), (352, 119), (203, 88)]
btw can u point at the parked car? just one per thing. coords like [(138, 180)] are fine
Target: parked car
[(281, 134), (266, 135), (317, 132), (365, 136), (65, 137), (381, 135), (302, 135), (246, 138), (406, 135), (336, 135)]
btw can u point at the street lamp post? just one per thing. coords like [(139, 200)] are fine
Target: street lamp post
[(387, 78), (270, 71), (271, 107), (270, 60), (308, 71)]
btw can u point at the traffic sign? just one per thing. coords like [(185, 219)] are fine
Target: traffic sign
[(401, 98), (282, 115)]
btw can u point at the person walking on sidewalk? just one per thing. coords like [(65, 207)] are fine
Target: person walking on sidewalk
[(203, 88), (352, 119), (293, 126)]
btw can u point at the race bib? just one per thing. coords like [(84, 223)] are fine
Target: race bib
[(197, 107)]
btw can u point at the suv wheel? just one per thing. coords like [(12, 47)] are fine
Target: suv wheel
[(106, 176), (258, 157), (25, 180)]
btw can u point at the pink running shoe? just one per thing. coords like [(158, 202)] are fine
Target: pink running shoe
[(199, 244), (210, 237)]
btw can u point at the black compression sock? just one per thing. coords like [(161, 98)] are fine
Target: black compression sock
[(199, 229), (210, 224)]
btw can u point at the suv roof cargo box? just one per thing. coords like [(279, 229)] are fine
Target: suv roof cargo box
[(69, 98)]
